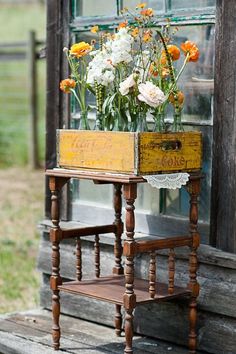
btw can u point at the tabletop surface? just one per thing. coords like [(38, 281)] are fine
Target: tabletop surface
[(104, 176)]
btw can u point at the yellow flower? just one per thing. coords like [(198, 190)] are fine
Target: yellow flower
[(147, 36), (142, 5), (80, 49), (94, 29), (135, 32)]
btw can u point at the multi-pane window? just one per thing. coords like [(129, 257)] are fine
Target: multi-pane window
[(195, 21)]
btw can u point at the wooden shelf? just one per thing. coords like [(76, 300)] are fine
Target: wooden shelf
[(112, 288)]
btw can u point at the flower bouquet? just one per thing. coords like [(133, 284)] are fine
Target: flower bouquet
[(133, 75)]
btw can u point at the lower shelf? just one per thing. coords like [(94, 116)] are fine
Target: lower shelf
[(112, 288)]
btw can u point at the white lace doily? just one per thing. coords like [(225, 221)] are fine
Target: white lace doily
[(169, 181)]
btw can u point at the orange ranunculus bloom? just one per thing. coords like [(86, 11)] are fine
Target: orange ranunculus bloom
[(94, 29), (174, 52), (147, 12), (123, 24), (67, 84), (80, 49), (191, 49), (142, 5), (180, 98)]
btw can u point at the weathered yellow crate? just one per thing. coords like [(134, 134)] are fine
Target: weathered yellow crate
[(130, 153)]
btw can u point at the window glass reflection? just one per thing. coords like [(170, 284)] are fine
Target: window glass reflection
[(186, 4)]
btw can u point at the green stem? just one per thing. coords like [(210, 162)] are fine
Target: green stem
[(82, 107)]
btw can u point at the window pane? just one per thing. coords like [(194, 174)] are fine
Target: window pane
[(177, 202), (197, 80), (86, 192), (186, 4), (95, 8), (157, 5)]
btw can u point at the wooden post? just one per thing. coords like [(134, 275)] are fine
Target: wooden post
[(223, 205), (33, 104)]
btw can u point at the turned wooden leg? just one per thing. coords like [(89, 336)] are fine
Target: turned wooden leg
[(129, 331), (55, 280), (118, 320), (118, 268), (129, 299), (117, 202), (194, 190)]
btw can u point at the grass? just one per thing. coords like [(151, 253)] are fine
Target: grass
[(21, 192), (21, 208), (15, 23)]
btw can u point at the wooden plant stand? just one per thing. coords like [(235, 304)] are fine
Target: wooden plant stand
[(122, 288)]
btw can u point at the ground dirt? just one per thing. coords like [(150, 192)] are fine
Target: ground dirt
[(21, 208)]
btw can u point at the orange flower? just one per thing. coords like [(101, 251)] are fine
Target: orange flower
[(141, 6), (123, 25), (147, 36), (80, 49), (147, 13), (135, 32), (94, 29), (67, 84), (153, 70), (165, 72), (180, 98), (174, 52), (190, 48)]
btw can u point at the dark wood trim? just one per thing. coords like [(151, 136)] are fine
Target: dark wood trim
[(57, 107), (223, 215)]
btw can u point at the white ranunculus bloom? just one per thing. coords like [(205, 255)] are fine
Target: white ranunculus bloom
[(152, 95), (126, 85)]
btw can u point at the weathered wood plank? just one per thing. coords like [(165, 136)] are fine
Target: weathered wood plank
[(135, 153), (170, 152), (223, 215), (168, 321), (30, 333)]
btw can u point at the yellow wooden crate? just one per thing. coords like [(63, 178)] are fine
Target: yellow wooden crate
[(130, 153)]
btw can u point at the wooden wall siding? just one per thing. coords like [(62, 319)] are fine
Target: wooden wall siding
[(57, 114), (223, 221), (217, 302)]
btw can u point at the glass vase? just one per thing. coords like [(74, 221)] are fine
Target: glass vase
[(177, 124), (141, 122), (118, 122), (83, 122), (99, 121), (159, 125)]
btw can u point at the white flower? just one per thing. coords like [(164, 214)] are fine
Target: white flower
[(151, 94), (126, 85), (100, 69), (120, 47), (120, 56)]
